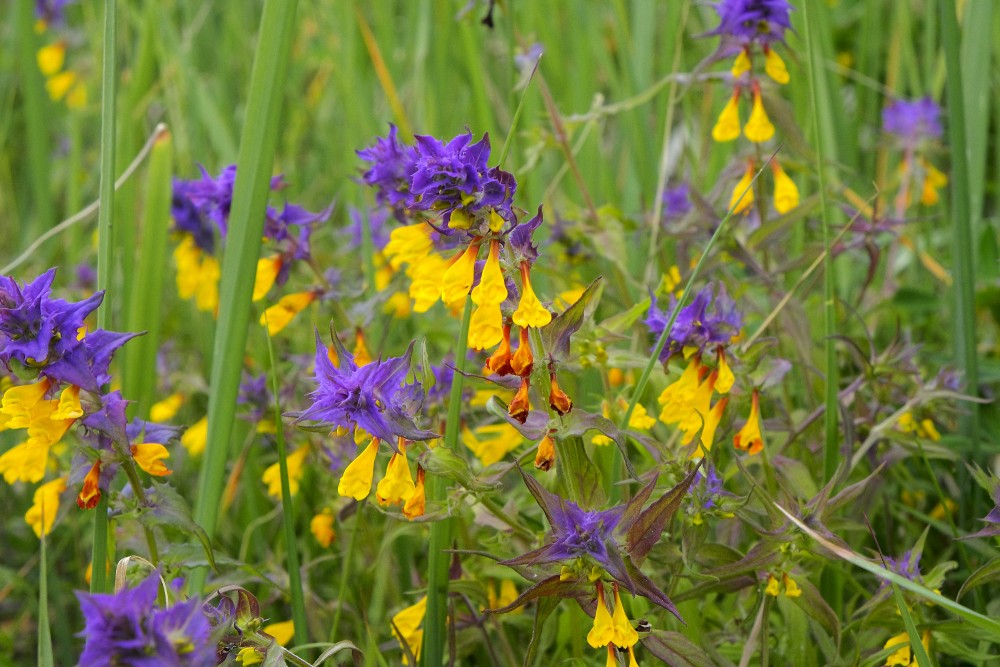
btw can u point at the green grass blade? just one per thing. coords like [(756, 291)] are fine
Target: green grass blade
[(45, 657), (99, 578), (962, 238), (916, 646), (256, 157), (139, 372), (287, 507)]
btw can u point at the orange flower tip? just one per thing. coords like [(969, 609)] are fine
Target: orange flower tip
[(520, 406), (546, 456), (558, 399), (90, 494)]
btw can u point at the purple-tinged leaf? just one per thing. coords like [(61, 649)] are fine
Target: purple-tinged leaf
[(649, 525), (556, 334), (676, 650), (550, 587)]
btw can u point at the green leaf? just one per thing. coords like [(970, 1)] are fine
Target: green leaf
[(984, 575), (648, 527), (168, 508), (579, 479), (556, 334), (543, 610), (816, 607), (676, 650), (444, 462)]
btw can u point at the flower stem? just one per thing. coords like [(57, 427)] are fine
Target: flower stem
[(435, 622)]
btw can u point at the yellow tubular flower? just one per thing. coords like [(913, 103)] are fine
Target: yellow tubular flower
[(405, 628), (19, 402), (749, 438), (736, 204), (773, 588), (521, 404), (903, 657), (69, 404), (24, 462), (775, 66), (458, 278), (321, 527), (283, 631), (678, 395), (408, 245), (492, 442), (356, 482), (727, 127), (425, 281), (933, 179), (362, 357), (42, 513), (758, 128), (530, 311), (741, 65), (625, 635), (603, 630), (207, 297), (272, 476), (486, 326), (726, 378), (491, 288), (522, 361), (416, 504), (248, 655), (268, 269), (792, 589), (279, 315), (786, 194), (195, 438), (631, 657), (150, 456), (397, 485), (59, 84), (165, 410), (612, 657), (51, 58)]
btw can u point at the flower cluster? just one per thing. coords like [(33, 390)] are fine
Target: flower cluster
[(913, 125), (750, 28), (46, 340), (201, 209)]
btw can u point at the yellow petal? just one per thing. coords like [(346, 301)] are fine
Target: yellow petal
[(727, 127), (150, 456), (737, 205), (321, 526), (530, 311), (397, 485), (603, 630), (458, 278), (283, 631), (486, 326), (625, 635), (268, 269), (295, 462), (786, 194), (741, 65), (356, 482), (165, 410), (758, 128), (279, 315), (491, 288), (69, 404), (775, 66), (42, 513), (51, 58), (59, 84), (195, 438)]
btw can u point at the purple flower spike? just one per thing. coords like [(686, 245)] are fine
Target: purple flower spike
[(521, 240), (914, 121), (746, 21), (373, 397), (711, 318), (392, 163), (128, 629)]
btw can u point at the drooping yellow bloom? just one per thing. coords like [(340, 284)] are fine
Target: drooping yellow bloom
[(604, 630), (903, 656), (42, 513), (51, 58), (248, 655), (491, 288), (279, 315), (743, 205), (933, 179), (425, 281), (458, 278), (726, 378), (749, 438), (268, 269), (522, 360), (321, 526), (195, 438), (197, 274), (545, 457), (773, 587), (625, 635), (758, 128), (406, 628), (24, 462), (774, 66), (530, 311), (149, 456), (69, 404), (499, 361), (90, 493), (408, 245), (165, 410), (506, 595), (59, 84), (486, 326), (492, 442), (296, 467), (283, 631), (741, 65), (18, 402), (727, 127), (356, 482), (397, 485), (786, 193), (792, 589), (362, 357), (416, 504), (679, 394)]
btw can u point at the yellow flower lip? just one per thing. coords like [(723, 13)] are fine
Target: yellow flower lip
[(356, 482)]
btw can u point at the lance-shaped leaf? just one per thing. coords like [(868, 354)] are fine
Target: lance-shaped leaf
[(579, 422), (675, 649), (166, 507), (649, 525), (534, 427), (551, 587), (556, 334)]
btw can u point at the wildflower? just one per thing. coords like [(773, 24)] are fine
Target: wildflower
[(195, 438), (321, 526), (741, 65), (282, 631), (491, 288), (706, 492), (786, 194), (356, 482), (604, 630), (742, 198), (249, 655), (268, 269), (52, 12), (406, 628), (749, 438), (362, 356), (90, 493), (149, 457), (522, 362), (727, 127), (492, 442), (506, 595), (425, 281), (499, 361), (934, 178), (903, 655), (279, 315), (392, 165), (520, 405), (625, 635), (546, 456), (416, 504), (758, 128), (912, 122), (640, 420), (486, 326), (774, 66), (42, 513), (295, 462), (51, 58), (373, 397), (530, 311), (197, 275), (558, 400), (726, 378), (711, 318), (165, 410), (397, 485), (924, 429), (409, 245), (128, 629), (677, 199), (753, 21), (25, 462), (773, 587)]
